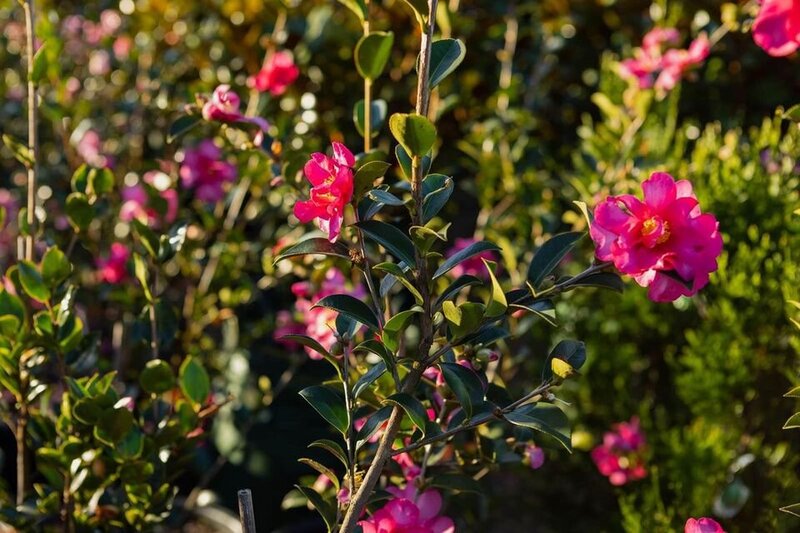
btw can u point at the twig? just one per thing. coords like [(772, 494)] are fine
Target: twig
[(246, 512)]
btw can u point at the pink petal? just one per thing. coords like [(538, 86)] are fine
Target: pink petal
[(342, 155), (429, 504), (777, 26), (659, 191)]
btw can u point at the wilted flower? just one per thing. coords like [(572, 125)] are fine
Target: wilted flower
[(205, 171), (410, 513), (474, 265), (137, 200), (660, 241), (777, 27), (112, 268), (653, 66), (702, 525), (331, 190), (224, 107), (620, 457), (277, 74)]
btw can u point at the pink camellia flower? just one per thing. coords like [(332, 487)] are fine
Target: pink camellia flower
[(136, 200), (90, 148), (418, 514), (205, 171), (224, 107), (277, 74), (659, 241), (702, 525), (331, 190), (777, 27), (654, 66), (620, 457), (319, 322), (534, 456), (474, 265), (112, 268)]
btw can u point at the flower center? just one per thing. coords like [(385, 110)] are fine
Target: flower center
[(657, 228)]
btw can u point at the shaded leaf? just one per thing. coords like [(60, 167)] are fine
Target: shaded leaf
[(446, 56), (550, 255), (391, 238), (352, 308), (462, 255), (329, 404), (414, 132)]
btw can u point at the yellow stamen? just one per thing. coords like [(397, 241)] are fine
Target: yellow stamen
[(650, 225)]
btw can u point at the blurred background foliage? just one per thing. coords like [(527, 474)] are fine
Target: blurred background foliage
[(535, 118)]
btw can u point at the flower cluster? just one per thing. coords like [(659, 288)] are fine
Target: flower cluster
[(621, 456), (702, 525), (224, 107), (139, 200), (331, 190), (665, 242), (277, 74), (654, 66), (113, 268), (205, 171), (777, 27), (318, 322)]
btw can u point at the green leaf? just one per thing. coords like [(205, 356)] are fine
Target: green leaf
[(404, 160), (378, 111), (329, 404), (11, 306), (131, 445), (79, 211), (793, 113), (21, 152), (112, 425), (322, 469), (603, 280), (435, 201), (372, 425), (465, 385), (793, 422), (80, 179), (157, 377), (100, 181), (316, 246), (39, 64), (793, 509), (326, 509), (171, 244), (194, 381), (463, 319), (142, 275), (420, 9), (87, 411), (365, 177), (32, 282), (546, 418), (352, 308), (391, 238), (415, 133), (395, 326), (182, 125), (462, 255), (372, 53), (147, 237), (497, 304), (453, 289), (331, 447), (369, 377), (571, 351), (55, 266), (794, 393), (385, 197), (359, 7), (373, 346), (446, 56), (396, 273), (413, 408), (550, 255)]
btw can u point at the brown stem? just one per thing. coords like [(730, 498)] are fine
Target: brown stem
[(33, 137)]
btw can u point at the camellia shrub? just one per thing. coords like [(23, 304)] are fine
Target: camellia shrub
[(185, 215)]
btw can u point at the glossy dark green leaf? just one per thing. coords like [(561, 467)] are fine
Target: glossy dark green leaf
[(571, 351), (396, 273), (331, 447), (372, 53), (435, 201), (446, 56), (465, 385), (316, 246), (603, 280), (352, 308), (113, 425), (412, 407), (32, 282), (326, 509), (182, 125), (550, 255), (377, 117), (546, 418), (462, 255), (369, 377), (414, 132), (454, 288), (404, 160), (366, 175), (131, 445), (329, 404), (373, 346), (194, 381), (79, 211), (55, 266), (385, 197), (391, 238), (374, 422), (394, 327), (157, 377)]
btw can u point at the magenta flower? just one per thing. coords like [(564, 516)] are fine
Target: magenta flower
[(620, 457), (658, 240), (136, 202), (331, 190), (417, 514), (534, 456), (702, 525), (204, 170), (319, 322), (474, 265), (659, 64), (277, 74), (90, 149), (112, 268), (777, 27), (224, 107)]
